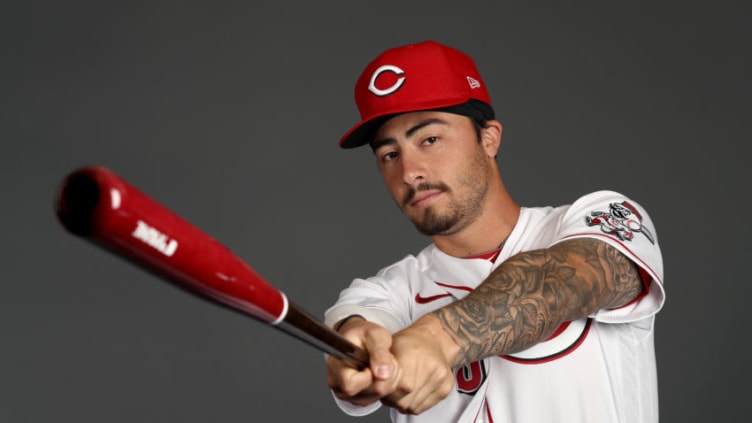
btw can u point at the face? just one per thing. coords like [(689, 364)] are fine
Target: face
[(435, 168)]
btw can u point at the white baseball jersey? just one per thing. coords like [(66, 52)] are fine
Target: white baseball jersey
[(598, 369)]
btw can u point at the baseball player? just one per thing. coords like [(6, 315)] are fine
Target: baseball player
[(511, 314)]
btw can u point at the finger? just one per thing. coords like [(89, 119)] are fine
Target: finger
[(346, 380), (356, 387), (425, 389), (429, 395)]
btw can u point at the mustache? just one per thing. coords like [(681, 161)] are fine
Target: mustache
[(423, 186)]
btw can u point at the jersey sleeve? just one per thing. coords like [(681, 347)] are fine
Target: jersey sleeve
[(367, 298), (381, 299), (625, 225)]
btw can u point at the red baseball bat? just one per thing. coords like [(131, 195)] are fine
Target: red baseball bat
[(98, 205)]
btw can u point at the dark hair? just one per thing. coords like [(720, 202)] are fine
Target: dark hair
[(477, 111), (479, 125)]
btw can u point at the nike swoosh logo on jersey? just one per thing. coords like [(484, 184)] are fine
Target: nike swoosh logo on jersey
[(425, 300)]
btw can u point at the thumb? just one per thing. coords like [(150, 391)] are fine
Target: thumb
[(382, 362)]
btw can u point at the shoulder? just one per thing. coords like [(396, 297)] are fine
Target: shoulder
[(602, 197), (605, 215), (586, 203), (615, 214), (625, 224), (408, 264)]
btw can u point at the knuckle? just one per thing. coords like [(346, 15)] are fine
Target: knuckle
[(446, 389), (440, 373), (348, 391), (417, 410), (406, 387), (381, 390), (412, 409)]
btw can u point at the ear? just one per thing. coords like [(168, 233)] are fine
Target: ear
[(491, 137)]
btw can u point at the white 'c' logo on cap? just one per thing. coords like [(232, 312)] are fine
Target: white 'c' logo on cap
[(386, 68)]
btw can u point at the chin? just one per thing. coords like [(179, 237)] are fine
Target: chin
[(435, 225)]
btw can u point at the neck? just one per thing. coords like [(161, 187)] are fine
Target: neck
[(488, 232)]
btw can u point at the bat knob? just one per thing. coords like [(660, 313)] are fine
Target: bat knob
[(77, 200)]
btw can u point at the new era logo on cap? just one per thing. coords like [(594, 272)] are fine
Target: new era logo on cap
[(414, 77), (474, 83)]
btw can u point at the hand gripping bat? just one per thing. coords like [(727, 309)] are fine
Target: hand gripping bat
[(96, 204)]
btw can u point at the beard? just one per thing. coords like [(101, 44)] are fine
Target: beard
[(458, 214), (464, 205), (434, 223)]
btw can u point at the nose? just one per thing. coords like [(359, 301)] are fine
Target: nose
[(413, 167)]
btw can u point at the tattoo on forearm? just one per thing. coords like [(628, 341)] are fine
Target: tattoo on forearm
[(527, 297)]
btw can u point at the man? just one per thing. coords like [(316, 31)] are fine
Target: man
[(512, 314)]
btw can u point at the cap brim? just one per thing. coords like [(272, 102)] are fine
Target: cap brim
[(362, 133)]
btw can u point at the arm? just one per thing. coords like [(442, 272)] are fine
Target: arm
[(527, 297), (520, 304)]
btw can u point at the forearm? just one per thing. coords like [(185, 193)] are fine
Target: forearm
[(528, 296)]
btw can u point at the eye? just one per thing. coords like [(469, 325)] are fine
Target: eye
[(389, 156), (429, 140)]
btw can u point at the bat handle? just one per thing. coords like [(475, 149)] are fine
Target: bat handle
[(302, 325)]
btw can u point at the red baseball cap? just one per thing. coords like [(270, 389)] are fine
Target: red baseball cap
[(422, 76)]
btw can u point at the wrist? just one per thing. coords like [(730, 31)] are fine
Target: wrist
[(433, 329), (342, 322)]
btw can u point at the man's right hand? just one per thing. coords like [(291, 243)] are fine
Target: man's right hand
[(379, 379)]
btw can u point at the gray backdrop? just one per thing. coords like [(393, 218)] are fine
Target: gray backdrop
[(229, 113)]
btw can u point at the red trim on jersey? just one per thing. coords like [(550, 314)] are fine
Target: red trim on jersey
[(490, 256), (557, 355), (485, 406), (559, 330)]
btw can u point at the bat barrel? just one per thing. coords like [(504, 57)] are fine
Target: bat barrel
[(97, 205)]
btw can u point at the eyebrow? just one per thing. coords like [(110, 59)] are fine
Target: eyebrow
[(376, 144)]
